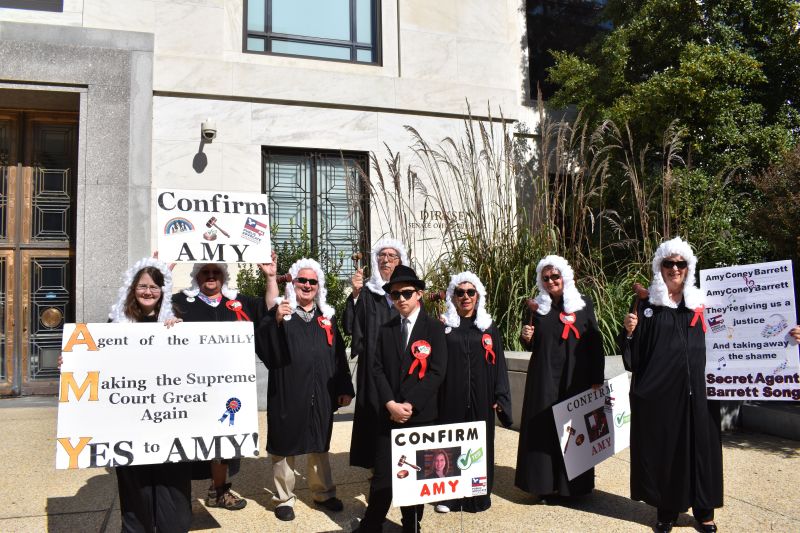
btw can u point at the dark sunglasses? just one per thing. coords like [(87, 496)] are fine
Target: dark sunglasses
[(303, 281), (554, 277), (406, 294), (211, 272), (668, 264), (462, 292)]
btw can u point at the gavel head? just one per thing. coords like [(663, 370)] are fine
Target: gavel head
[(640, 291), (284, 278), (357, 256), (532, 305), (436, 296), (402, 460), (211, 222)]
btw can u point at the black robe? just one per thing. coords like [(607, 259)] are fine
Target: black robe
[(193, 309), (371, 311), (473, 384), (558, 369), (306, 377), (676, 451)]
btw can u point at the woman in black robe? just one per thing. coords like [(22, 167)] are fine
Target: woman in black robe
[(567, 358), (676, 451), (371, 308), (476, 382), (155, 497)]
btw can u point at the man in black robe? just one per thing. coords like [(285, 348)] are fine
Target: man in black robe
[(476, 383), (209, 299), (308, 380), (676, 449), (372, 308), (406, 387)]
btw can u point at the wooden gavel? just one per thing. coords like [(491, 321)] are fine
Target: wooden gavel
[(533, 306), (284, 278), (356, 257), (639, 294), (436, 296)]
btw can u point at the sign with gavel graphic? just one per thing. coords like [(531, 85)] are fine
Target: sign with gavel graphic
[(197, 226)]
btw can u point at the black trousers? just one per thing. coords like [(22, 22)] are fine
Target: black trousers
[(155, 497), (380, 493), (701, 515)]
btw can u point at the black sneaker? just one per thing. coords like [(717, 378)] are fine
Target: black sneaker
[(284, 513), (331, 504)]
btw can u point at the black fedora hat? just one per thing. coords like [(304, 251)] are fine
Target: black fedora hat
[(404, 274)]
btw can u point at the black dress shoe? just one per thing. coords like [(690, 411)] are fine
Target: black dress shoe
[(707, 528), (284, 513), (664, 527), (331, 504)]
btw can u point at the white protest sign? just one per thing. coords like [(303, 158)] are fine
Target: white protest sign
[(211, 226), (435, 463), (594, 425), (749, 312), (143, 394)]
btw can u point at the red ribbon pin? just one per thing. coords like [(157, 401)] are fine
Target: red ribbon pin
[(325, 323), (569, 324), (236, 307), (488, 345), (420, 350), (699, 315)]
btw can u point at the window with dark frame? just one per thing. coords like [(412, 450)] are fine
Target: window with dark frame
[(335, 30), (322, 193), (34, 5)]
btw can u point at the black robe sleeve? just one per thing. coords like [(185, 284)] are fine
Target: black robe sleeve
[(349, 315), (382, 385), (502, 388), (343, 380), (271, 337), (358, 326)]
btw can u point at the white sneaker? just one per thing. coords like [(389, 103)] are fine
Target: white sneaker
[(441, 508)]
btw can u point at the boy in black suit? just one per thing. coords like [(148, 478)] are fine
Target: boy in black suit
[(408, 369)]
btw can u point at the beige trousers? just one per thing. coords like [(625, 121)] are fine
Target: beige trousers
[(319, 478)]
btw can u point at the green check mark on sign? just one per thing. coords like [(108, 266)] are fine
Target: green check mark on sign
[(465, 461)]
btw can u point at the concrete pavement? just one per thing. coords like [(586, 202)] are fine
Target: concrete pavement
[(761, 477)]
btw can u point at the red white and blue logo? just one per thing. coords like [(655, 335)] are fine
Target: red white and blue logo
[(253, 230)]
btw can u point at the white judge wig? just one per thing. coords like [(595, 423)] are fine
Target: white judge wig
[(117, 313), (573, 301), (659, 295), (226, 291), (322, 293), (375, 283), (451, 318)]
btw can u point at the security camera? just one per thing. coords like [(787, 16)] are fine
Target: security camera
[(209, 130)]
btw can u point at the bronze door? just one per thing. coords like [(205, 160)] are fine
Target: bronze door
[(38, 158)]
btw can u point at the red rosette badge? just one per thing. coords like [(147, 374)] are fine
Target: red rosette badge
[(236, 307), (699, 314), (488, 346), (569, 324), (327, 325), (421, 349)]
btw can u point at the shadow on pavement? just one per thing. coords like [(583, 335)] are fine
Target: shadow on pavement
[(96, 497), (764, 443)]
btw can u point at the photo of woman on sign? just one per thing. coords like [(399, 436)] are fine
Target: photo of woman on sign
[(437, 463)]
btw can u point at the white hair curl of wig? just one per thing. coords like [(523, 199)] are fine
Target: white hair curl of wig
[(117, 313), (194, 290), (451, 318), (573, 301), (376, 282), (659, 295), (322, 293)]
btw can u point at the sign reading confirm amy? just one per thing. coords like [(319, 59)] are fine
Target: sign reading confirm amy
[(594, 425), (210, 226), (749, 312), (142, 394), (434, 463)]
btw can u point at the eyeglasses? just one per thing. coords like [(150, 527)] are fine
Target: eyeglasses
[(406, 294), (388, 255), (303, 281), (211, 272), (462, 292), (554, 277), (668, 264), (151, 288)]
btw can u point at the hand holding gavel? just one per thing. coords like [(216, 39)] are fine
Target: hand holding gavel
[(436, 296), (632, 319)]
